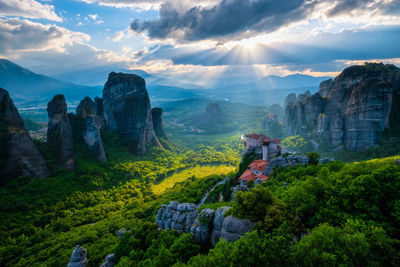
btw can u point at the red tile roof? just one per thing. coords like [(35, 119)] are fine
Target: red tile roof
[(276, 141), (256, 136), (262, 177), (248, 176), (259, 165), (261, 137)]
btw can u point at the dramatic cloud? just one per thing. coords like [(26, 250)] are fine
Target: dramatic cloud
[(383, 7), (228, 19), (18, 35), (315, 51), (237, 19), (28, 9)]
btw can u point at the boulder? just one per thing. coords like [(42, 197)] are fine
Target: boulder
[(234, 228), (122, 232), (110, 261), (176, 216), (91, 125), (127, 110), (59, 133), (217, 224), (158, 123), (78, 258), (201, 229), (19, 156)]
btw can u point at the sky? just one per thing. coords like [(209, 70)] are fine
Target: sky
[(199, 41)]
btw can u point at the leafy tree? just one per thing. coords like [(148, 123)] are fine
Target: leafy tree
[(313, 158)]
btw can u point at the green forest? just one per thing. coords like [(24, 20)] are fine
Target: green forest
[(334, 214)]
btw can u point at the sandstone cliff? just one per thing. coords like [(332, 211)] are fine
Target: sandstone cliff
[(19, 156), (354, 112), (127, 110), (91, 125), (59, 133)]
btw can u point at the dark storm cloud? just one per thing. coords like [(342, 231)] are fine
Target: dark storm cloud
[(229, 17), (238, 19)]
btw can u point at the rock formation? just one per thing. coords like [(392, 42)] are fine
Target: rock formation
[(158, 123), (212, 117), (325, 88), (205, 227), (289, 161), (59, 133), (353, 110), (91, 125), (176, 216), (99, 110), (217, 224), (19, 156), (78, 258), (240, 187), (110, 261), (234, 228), (127, 110), (201, 229)]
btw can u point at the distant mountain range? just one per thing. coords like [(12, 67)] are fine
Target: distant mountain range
[(28, 88)]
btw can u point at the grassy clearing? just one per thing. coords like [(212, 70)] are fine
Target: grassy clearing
[(198, 172)]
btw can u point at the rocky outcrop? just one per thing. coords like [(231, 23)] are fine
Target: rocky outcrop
[(177, 216), (19, 156), (234, 228), (59, 133), (158, 123), (110, 261), (289, 161), (212, 117), (78, 258), (240, 187), (91, 125), (201, 229), (354, 112), (99, 110), (325, 88), (127, 110), (205, 227), (219, 218)]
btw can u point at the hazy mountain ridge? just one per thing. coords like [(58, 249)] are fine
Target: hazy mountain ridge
[(27, 87)]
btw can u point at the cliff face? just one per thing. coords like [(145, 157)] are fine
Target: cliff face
[(158, 123), (355, 111), (19, 156), (127, 110), (91, 125), (59, 133)]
